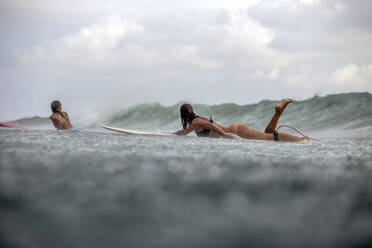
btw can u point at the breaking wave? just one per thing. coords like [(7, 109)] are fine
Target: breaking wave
[(348, 114), (330, 114)]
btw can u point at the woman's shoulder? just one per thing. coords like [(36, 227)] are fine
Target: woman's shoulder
[(53, 116), (200, 120)]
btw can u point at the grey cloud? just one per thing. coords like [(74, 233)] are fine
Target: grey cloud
[(340, 26), (329, 15), (357, 14)]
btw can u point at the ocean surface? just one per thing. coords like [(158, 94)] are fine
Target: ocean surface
[(96, 188)]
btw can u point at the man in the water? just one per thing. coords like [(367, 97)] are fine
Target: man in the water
[(60, 119)]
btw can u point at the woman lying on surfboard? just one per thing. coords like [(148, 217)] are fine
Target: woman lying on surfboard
[(207, 128), (60, 119)]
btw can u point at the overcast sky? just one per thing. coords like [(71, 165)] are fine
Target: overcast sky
[(96, 54)]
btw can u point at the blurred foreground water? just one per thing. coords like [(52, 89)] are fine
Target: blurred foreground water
[(101, 189)]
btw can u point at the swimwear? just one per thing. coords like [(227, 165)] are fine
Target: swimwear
[(235, 126), (276, 135), (204, 132)]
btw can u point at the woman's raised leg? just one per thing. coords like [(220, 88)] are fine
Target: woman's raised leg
[(270, 128), (247, 133)]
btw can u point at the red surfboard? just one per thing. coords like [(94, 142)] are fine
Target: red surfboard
[(2, 124)]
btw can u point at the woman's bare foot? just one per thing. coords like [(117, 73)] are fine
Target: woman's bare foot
[(281, 106)]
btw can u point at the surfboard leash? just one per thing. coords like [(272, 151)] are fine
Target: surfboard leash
[(296, 131)]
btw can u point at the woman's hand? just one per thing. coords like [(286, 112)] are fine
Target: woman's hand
[(186, 131), (230, 136)]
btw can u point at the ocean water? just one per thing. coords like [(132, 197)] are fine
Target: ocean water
[(96, 188)]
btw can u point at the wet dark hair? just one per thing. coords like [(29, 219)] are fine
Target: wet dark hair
[(187, 114), (54, 106)]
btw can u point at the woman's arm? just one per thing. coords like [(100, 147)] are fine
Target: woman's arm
[(56, 122), (215, 128), (219, 130), (65, 115), (186, 131)]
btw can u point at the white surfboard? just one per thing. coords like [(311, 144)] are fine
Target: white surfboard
[(132, 131)]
